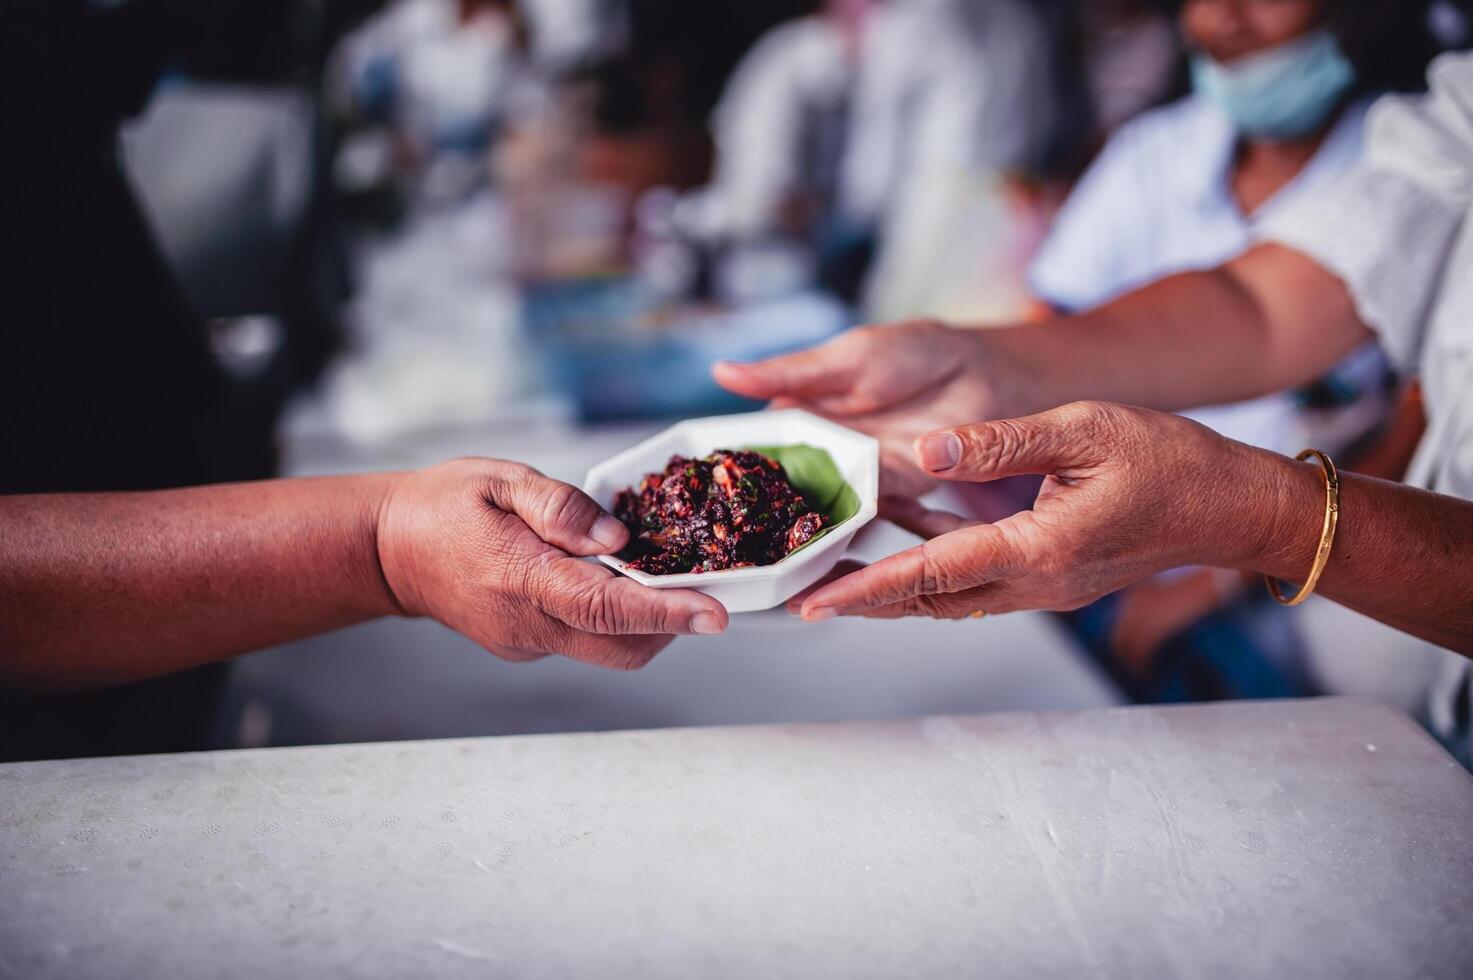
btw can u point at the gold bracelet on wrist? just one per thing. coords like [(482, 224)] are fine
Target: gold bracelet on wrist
[(1327, 534)]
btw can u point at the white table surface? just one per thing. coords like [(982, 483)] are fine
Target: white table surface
[(1298, 839)]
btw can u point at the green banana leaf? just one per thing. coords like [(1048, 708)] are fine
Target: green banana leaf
[(813, 472)]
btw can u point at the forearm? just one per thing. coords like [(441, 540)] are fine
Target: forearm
[(1262, 323), (99, 589), (1401, 555)]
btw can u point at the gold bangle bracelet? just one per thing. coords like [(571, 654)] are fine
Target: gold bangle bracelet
[(1327, 535)]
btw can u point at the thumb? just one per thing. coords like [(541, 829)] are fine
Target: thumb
[(560, 514), (1040, 444)]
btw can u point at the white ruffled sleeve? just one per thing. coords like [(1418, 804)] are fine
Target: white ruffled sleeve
[(1388, 227)]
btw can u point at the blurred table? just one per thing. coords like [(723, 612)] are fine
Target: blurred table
[(1309, 839)]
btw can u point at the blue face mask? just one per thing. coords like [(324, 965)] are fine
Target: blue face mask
[(1283, 93)]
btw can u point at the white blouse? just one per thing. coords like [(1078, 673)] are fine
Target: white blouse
[(1397, 230), (1159, 201)]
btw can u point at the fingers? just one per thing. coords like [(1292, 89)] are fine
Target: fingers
[(560, 514), (955, 605), (845, 567), (826, 370), (915, 517), (1043, 444), (591, 599), (613, 652), (903, 512), (954, 562)]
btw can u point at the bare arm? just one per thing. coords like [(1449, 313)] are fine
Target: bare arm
[(104, 588), (1268, 320), (1401, 554), (100, 589), (1132, 492)]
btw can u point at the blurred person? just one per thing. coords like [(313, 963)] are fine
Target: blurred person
[(444, 73), (1278, 110), (778, 123), (106, 589), (955, 97), (1383, 251), (628, 120), (852, 127), (1131, 58), (1111, 60)]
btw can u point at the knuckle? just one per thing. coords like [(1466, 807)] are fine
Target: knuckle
[(519, 474), (503, 484), (533, 575), (600, 612), (944, 606), (1083, 411), (519, 469), (564, 506), (1095, 417), (994, 446), (915, 607), (939, 573), (937, 607)]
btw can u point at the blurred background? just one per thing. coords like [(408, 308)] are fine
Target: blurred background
[(416, 229)]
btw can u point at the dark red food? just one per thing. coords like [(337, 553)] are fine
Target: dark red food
[(729, 510)]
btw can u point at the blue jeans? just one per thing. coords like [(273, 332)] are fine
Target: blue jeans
[(1247, 649)]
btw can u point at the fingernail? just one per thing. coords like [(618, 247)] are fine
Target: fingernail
[(939, 452), (705, 624), (609, 532), (821, 615)]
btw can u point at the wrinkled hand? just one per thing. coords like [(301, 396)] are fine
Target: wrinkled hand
[(892, 382), (489, 549), (1127, 493)]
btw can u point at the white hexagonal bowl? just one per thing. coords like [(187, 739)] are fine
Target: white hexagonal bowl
[(750, 589)]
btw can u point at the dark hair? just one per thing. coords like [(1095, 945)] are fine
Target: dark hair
[(1390, 42)]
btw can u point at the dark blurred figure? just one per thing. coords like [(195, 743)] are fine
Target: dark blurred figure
[(107, 381)]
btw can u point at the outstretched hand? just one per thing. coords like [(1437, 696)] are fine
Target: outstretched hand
[(492, 550), (1127, 493), (892, 382)]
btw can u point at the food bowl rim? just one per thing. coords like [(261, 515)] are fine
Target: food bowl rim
[(868, 505)]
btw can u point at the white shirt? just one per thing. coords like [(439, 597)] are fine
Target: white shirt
[(943, 85), (977, 99), (1396, 230), (795, 75), (1157, 202), (949, 91)]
